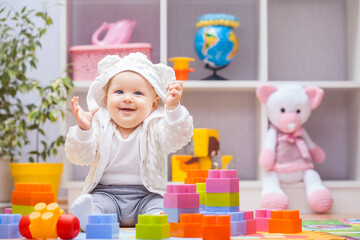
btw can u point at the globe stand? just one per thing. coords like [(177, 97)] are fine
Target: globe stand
[(214, 76)]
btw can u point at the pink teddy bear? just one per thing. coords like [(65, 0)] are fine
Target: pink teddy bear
[(289, 152)]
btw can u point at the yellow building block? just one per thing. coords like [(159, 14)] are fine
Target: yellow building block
[(205, 162), (180, 164), (44, 219), (222, 199), (203, 138), (226, 159)]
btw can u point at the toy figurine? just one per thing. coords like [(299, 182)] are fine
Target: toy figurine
[(289, 152)]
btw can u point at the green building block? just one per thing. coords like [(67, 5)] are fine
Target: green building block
[(201, 190), (222, 199), (23, 210), (152, 227)]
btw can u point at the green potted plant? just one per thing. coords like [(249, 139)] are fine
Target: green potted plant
[(20, 38)]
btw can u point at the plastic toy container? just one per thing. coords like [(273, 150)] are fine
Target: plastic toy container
[(86, 57)]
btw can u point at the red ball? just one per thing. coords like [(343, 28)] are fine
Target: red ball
[(24, 227), (68, 226)]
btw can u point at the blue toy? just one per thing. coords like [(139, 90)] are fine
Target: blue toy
[(9, 226), (102, 226)]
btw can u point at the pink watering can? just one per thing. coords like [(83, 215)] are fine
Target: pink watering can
[(117, 33)]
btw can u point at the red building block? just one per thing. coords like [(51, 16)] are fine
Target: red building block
[(216, 227), (286, 221), (190, 226), (68, 226)]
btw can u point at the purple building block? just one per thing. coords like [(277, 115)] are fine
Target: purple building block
[(9, 226)]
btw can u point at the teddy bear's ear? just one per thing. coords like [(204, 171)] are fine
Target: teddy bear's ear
[(263, 92), (315, 95)]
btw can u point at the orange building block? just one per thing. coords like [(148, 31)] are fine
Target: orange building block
[(189, 226), (286, 221), (29, 194), (216, 227), (196, 176)]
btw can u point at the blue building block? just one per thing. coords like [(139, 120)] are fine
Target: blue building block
[(222, 209), (174, 213), (9, 226), (238, 224), (102, 226)]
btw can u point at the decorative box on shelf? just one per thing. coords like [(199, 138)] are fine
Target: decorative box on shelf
[(86, 57)]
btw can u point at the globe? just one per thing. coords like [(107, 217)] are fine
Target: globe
[(215, 42)]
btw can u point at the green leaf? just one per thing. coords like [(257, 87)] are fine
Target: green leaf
[(53, 115), (34, 114)]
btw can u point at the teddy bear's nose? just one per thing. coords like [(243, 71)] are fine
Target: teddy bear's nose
[(291, 126)]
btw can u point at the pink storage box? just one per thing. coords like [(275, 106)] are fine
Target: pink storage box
[(86, 57)]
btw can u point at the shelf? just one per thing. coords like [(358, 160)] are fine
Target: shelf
[(240, 85), (301, 50), (4, 205)]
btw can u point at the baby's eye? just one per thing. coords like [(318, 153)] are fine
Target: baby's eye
[(282, 110), (119, 91), (138, 93)]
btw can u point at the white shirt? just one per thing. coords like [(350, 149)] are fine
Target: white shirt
[(124, 165)]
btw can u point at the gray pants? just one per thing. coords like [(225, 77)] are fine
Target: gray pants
[(126, 201)]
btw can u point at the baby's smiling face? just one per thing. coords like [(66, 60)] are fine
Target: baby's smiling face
[(130, 99)]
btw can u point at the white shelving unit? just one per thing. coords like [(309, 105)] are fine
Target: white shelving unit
[(313, 43)]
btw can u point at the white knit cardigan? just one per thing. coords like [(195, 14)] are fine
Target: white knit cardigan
[(163, 132)]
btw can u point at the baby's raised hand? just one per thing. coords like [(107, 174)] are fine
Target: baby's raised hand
[(83, 119), (173, 95)]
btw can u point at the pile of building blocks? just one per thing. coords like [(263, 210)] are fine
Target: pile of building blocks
[(179, 199), (49, 221), (198, 177), (205, 154), (152, 227), (183, 217), (9, 226), (222, 191), (26, 195), (220, 196), (102, 226)]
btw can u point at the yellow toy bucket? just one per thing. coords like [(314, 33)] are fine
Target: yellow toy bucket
[(38, 173)]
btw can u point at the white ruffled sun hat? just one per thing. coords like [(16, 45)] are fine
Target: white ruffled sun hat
[(158, 75)]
